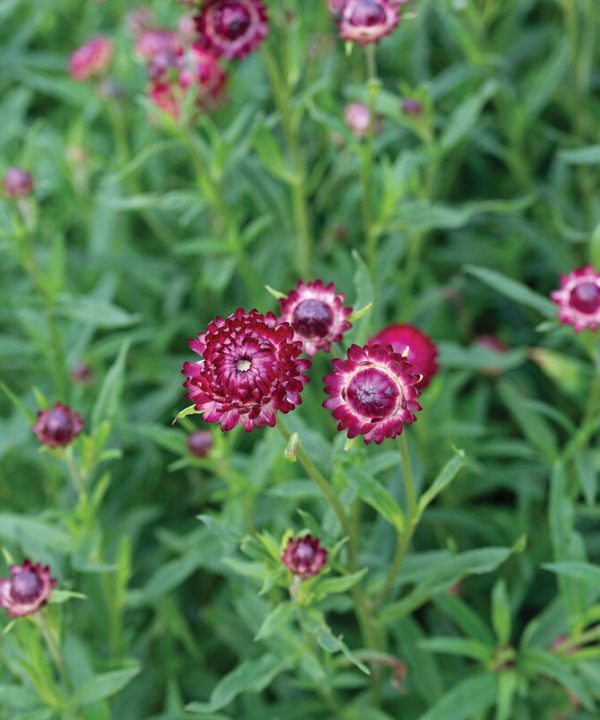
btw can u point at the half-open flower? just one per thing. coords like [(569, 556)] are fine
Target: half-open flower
[(232, 28), (304, 556), (250, 370), (17, 182), (414, 345), (91, 59), (58, 426), (317, 314), (578, 299), (27, 589), (367, 21), (373, 393)]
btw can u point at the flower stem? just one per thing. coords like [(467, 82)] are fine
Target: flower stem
[(290, 123), (370, 232), (54, 649), (412, 518)]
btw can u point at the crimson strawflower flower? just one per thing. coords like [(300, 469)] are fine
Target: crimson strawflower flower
[(27, 589), (200, 443), (578, 299), (91, 59), (357, 116), (153, 41), (317, 314), (17, 182), (175, 74), (366, 21), (58, 426), (410, 106), (232, 28), (250, 370), (373, 392), (304, 556), (414, 345)]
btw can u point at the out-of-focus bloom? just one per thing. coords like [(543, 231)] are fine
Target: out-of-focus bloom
[(410, 106), (373, 393), (58, 426), (357, 115), (82, 373), (91, 59), (17, 182), (174, 76), (152, 41), (250, 370), (491, 342), (200, 443), (578, 299), (420, 351), (304, 556), (27, 589), (366, 21), (139, 20), (232, 28), (186, 29), (317, 314)]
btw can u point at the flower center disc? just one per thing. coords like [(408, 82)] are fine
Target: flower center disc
[(59, 424), (243, 365), (232, 20), (368, 13), (585, 297), (312, 318), (25, 586), (373, 393)]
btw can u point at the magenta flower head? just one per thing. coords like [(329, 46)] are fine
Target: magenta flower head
[(250, 370), (578, 299), (27, 589), (304, 556), (357, 116), (373, 393), (413, 107), (153, 41), (200, 443), (91, 59), (317, 314), (414, 346), (232, 28), (58, 426), (367, 21), (17, 182)]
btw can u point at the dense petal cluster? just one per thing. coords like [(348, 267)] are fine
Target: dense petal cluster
[(365, 21), (578, 299), (200, 443), (317, 314), (91, 59), (414, 345), (17, 182), (58, 426), (250, 370), (27, 589), (304, 556), (373, 392), (232, 28), (357, 117)]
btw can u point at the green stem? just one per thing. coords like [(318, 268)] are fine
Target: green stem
[(412, 517), (282, 96), (370, 232), (54, 649), (75, 473), (589, 423)]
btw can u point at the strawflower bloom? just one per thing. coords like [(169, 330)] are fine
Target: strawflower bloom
[(153, 41), (578, 299), (200, 443), (58, 426), (250, 370), (17, 182), (232, 28), (174, 75), (304, 556), (357, 116), (366, 21), (82, 373), (27, 589), (410, 106), (373, 393), (317, 314), (415, 346), (91, 59)]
